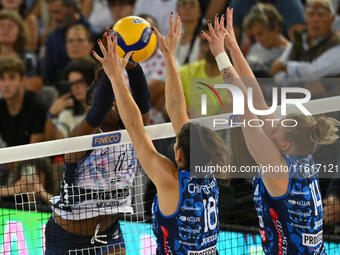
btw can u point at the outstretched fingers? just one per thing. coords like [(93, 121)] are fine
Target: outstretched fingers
[(222, 22), (206, 36), (230, 19), (157, 33), (211, 29), (127, 57), (96, 56), (102, 47), (171, 22), (114, 44), (178, 24), (216, 23), (109, 42)]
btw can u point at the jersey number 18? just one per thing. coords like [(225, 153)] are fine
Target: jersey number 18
[(210, 214)]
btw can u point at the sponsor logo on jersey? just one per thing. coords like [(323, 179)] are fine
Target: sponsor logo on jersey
[(182, 218), (261, 222), (208, 251), (282, 239), (209, 239), (257, 198), (299, 226), (186, 208), (167, 249), (293, 192), (196, 188), (194, 244), (263, 235), (107, 139), (190, 219), (189, 230), (318, 224), (299, 203), (303, 214), (311, 240), (256, 193)]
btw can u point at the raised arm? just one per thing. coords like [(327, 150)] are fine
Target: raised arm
[(243, 69), (263, 150), (174, 94), (159, 168)]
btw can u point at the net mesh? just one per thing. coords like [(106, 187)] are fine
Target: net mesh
[(113, 185)]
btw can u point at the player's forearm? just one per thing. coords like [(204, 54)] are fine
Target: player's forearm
[(243, 69), (230, 76), (139, 88), (51, 130), (127, 108), (174, 95)]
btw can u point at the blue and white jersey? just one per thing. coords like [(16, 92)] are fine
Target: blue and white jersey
[(98, 184), (193, 228), (292, 223)]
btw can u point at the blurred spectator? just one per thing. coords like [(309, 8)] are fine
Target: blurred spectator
[(36, 175), (78, 42), (13, 183), (21, 113), (66, 12), (206, 69), (264, 23), (332, 203), (40, 172), (31, 21), (216, 7), (97, 12), (121, 8), (291, 11), (314, 53), (61, 118), (78, 45), (159, 9), (52, 17), (336, 24), (191, 12), (14, 42)]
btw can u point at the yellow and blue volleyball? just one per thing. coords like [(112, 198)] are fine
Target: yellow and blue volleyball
[(135, 34)]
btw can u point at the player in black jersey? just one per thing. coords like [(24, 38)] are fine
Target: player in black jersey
[(96, 184), (186, 207)]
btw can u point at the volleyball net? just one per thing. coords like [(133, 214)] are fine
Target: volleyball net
[(100, 177)]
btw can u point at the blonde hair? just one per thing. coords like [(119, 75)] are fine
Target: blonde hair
[(310, 132), (265, 14)]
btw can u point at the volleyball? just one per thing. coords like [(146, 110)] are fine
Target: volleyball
[(135, 34)]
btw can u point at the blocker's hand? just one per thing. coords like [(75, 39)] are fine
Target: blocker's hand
[(168, 44), (230, 38), (216, 36), (113, 65)]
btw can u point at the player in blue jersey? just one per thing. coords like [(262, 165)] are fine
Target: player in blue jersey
[(96, 184), (288, 202), (185, 210)]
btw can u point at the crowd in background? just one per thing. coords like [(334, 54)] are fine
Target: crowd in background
[(46, 65)]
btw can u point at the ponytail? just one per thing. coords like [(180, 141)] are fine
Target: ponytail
[(310, 132), (324, 130)]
